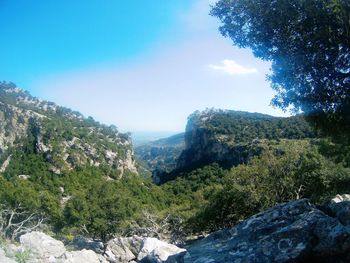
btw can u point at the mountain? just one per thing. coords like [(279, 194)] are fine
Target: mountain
[(78, 176), (230, 138), (161, 154), (73, 173), (145, 137), (64, 137)]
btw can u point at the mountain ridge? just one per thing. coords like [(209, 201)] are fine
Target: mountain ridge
[(65, 137), (230, 138)]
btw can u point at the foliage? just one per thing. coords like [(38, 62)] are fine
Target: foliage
[(308, 43), (101, 208), (278, 162), (22, 256), (242, 127), (65, 136), (288, 171), (230, 138)]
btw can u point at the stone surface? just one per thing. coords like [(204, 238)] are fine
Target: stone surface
[(341, 211), (80, 243), (145, 250), (83, 256), (341, 198), (156, 251), (4, 258), (45, 249), (42, 246), (291, 232), (124, 249)]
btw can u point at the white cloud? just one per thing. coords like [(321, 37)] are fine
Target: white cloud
[(233, 68)]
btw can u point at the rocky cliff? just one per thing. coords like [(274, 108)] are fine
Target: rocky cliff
[(230, 138), (227, 137), (64, 137)]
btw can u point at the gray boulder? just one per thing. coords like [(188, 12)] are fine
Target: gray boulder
[(341, 211), (341, 198), (290, 232), (42, 247), (81, 242), (145, 250), (123, 249), (83, 256), (4, 258), (157, 251)]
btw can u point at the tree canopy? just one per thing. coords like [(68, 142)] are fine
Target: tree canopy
[(308, 43)]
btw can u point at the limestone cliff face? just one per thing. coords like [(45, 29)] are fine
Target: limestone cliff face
[(231, 138), (14, 125), (207, 144), (203, 146), (64, 137)]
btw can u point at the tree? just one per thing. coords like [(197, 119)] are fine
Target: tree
[(100, 211), (289, 171), (308, 43), (17, 221)]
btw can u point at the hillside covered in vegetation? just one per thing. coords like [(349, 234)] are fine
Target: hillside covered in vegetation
[(230, 138), (74, 176), (235, 164), (67, 171)]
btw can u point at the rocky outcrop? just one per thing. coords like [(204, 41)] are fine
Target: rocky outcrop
[(83, 256), (81, 242), (230, 138), (124, 249), (204, 145), (64, 137), (37, 247), (341, 211), (4, 258), (42, 247), (341, 198), (145, 250), (156, 251), (293, 232), (14, 124)]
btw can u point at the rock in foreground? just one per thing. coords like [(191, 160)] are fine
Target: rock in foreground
[(145, 250), (291, 232), (4, 258), (42, 246), (44, 249)]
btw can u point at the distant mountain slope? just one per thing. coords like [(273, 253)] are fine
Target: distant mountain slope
[(64, 137), (145, 137), (176, 140), (161, 154), (230, 138)]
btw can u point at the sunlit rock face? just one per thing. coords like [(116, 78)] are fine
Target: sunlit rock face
[(230, 138)]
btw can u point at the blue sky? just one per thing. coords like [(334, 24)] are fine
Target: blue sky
[(141, 65)]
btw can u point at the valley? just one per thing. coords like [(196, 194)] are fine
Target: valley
[(202, 131), (73, 176)]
